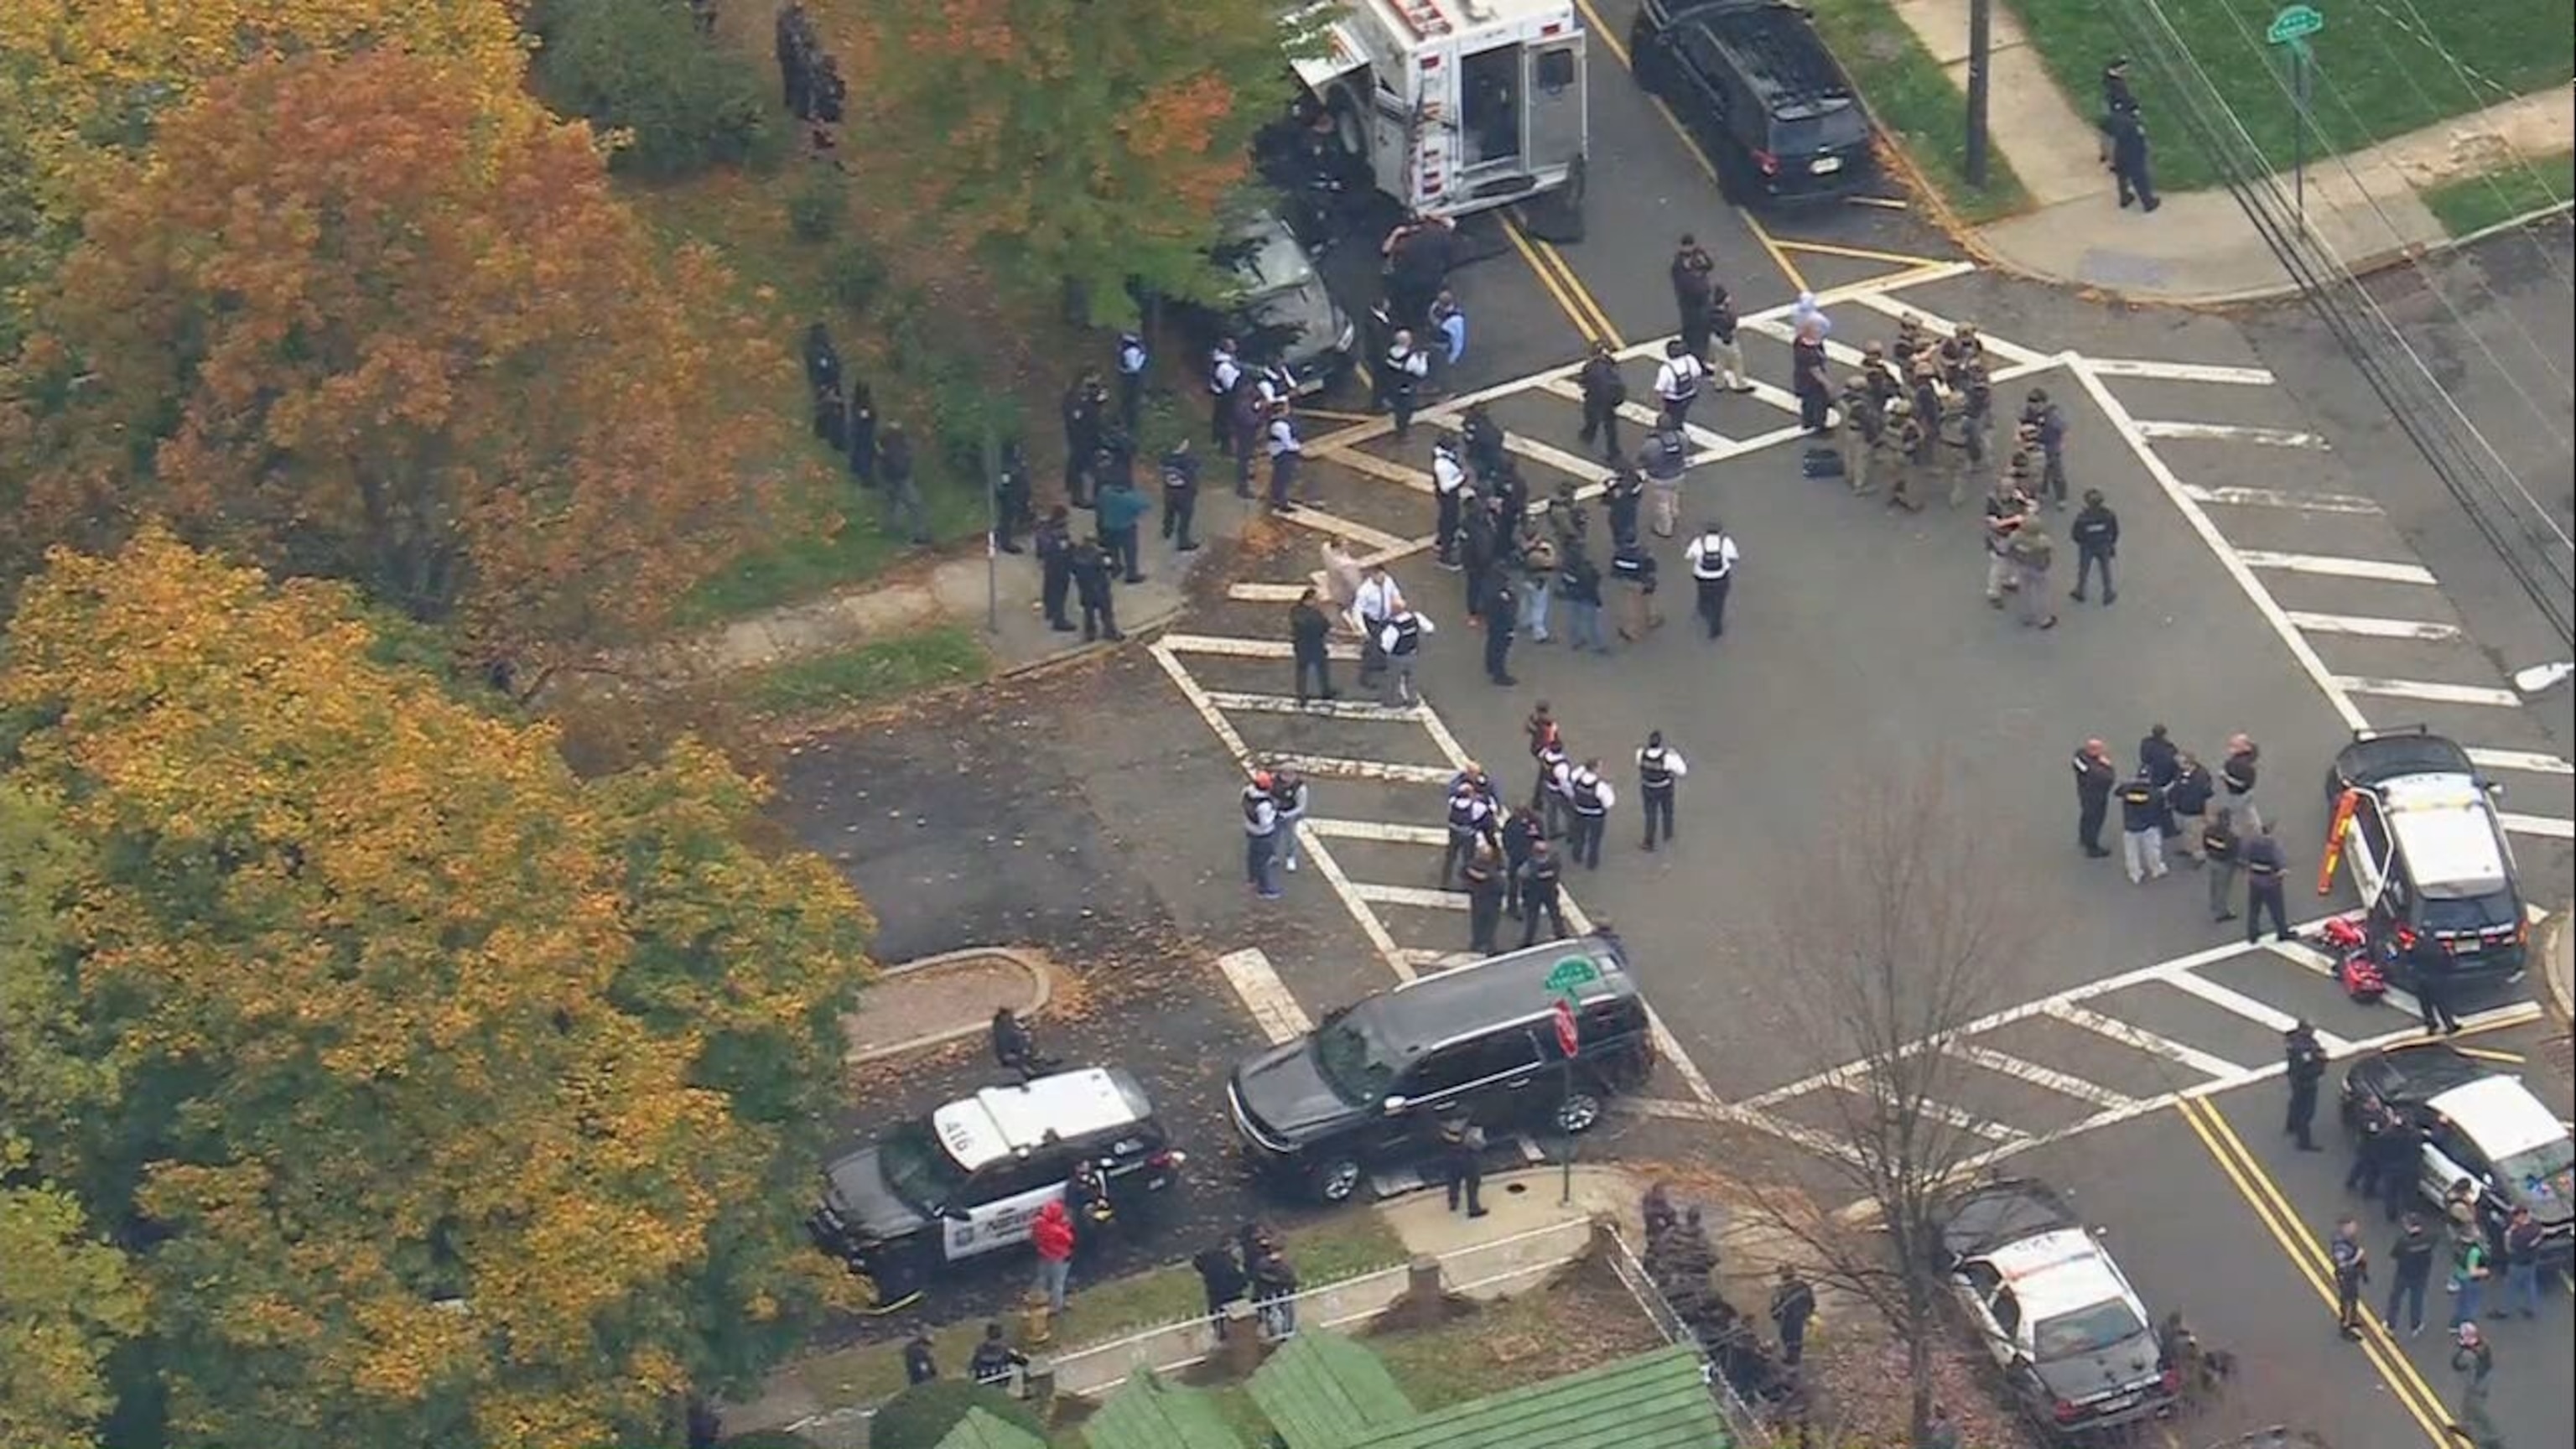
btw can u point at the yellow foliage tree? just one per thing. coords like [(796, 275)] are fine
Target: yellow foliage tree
[(463, 1103)]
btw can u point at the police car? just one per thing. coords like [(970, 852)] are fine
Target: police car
[(2427, 852), (970, 1178), (2073, 1342), (2479, 1124)]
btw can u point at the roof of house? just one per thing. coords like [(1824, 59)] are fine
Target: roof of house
[(1147, 1413), (1656, 1400), (980, 1430), (1323, 1391)]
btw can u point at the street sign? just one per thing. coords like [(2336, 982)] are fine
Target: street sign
[(2294, 24), (1571, 975), (1567, 1038)]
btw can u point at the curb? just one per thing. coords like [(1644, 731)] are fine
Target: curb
[(2551, 939), (1042, 990)]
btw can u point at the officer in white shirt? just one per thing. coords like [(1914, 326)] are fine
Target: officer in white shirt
[(1375, 603), (1660, 768), (1132, 358), (1285, 450), (1401, 641), (1712, 558), (1223, 377), (1405, 366), (1449, 489), (1677, 382)]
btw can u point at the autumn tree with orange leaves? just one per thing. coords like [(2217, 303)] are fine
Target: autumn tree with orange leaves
[(1068, 142), (350, 318), (439, 1099)]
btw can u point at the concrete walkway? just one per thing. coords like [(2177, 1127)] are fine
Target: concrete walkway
[(2198, 248)]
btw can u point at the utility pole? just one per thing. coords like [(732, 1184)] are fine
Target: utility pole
[(1981, 45)]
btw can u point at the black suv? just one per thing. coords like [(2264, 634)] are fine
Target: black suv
[(1753, 81), (1371, 1083), (2428, 853), (969, 1178)]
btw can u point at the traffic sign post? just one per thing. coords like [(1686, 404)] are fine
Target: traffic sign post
[(2290, 30), (1569, 1037)]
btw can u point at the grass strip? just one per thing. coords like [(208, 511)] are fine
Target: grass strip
[(2471, 204), (1918, 104), (870, 673)]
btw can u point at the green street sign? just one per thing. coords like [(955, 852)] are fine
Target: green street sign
[(2294, 24), (1571, 975)]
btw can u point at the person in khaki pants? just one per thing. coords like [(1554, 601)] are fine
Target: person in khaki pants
[(1859, 431), (2188, 795)]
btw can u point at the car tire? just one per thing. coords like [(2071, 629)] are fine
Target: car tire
[(1578, 1113), (1337, 1181), (1350, 123)]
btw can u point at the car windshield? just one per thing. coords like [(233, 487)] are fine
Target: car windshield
[(1833, 123), (2086, 1330), (2540, 1174), (1353, 1063), (2467, 912), (1267, 263), (918, 1169)]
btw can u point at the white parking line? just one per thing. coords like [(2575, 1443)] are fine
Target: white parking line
[(1960, 1118), (2039, 1076), (2429, 691), (2233, 497), (2227, 998), (1570, 464), (2228, 433), (1273, 1009), (1308, 515), (1419, 898), (1378, 468), (1335, 767), (2545, 826), (1250, 592), (1228, 699), (1441, 960), (2146, 1041), (2179, 371), (2338, 568), (1378, 831), (2530, 762), (2364, 627), (1886, 305), (1247, 648), (1642, 415)]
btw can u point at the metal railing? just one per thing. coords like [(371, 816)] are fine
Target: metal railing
[(1746, 1426)]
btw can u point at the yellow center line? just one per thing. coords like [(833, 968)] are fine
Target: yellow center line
[(1594, 313), (2274, 1212), (1528, 246), (2489, 1054), (1619, 52)]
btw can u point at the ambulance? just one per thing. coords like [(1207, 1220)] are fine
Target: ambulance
[(1457, 106)]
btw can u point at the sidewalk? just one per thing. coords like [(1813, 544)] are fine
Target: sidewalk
[(2198, 248), (944, 998)]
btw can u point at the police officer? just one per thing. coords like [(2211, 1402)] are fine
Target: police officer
[(1260, 834), (1521, 830), (1660, 768), (1053, 541), (1542, 879), (1472, 821), (1449, 491), (1180, 495), (1483, 438), (1285, 449), (1082, 407), (1694, 274), (1400, 642), (1678, 380), (1462, 1166), (1091, 576), (2220, 848), (1712, 558), (1976, 414), (1011, 490), (1480, 548), (1502, 614), (2142, 836), (2007, 507), (2096, 532), (2094, 777), (1309, 645), (1623, 497), (1402, 370), (863, 435), (1224, 377), (1884, 385), (2304, 1059), (1905, 445), (1132, 358), (1375, 604), (1725, 354), (1633, 571), (2428, 970), (1590, 797), (1664, 457), (2050, 421), (1483, 878), (1604, 393), (1858, 433), (2265, 871)]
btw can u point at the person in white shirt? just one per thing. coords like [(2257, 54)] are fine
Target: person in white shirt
[(1588, 799), (1260, 835), (1677, 382), (1285, 449), (1405, 366), (1224, 375), (1449, 491), (1401, 642), (1660, 768), (1377, 602), (1712, 557)]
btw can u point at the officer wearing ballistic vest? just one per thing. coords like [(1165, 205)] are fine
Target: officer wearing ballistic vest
[(1660, 768), (1591, 797), (1547, 800), (1861, 426), (1260, 834), (1401, 641), (1541, 880), (1483, 878), (1180, 495), (1462, 1165), (1471, 819), (1132, 358), (1712, 557), (1403, 368), (1224, 375), (1449, 492)]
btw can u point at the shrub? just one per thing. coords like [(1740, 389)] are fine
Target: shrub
[(766, 1439), (921, 1416), (962, 408), (856, 275), (682, 102), (815, 209)]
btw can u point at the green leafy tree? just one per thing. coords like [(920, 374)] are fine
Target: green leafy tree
[(65, 1300), (462, 1103), (674, 101), (1074, 143)]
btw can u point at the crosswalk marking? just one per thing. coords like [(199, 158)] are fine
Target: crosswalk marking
[(2037, 1075), (1432, 960), (1415, 896), (2238, 497), (2179, 371), (2228, 433), (1554, 457), (1307, 515), (1644, 416), (2146, 1041), (1379, 468), (1886, 305), (1246, 592), (1960, 1118), (2530, 762), (2545, 826), (2227, 998), (2429, 691), (2364, 627), (1273, 1009), (1326, 708), (1248, 648), (1379, 831), (2378, 570), (1335, 767)]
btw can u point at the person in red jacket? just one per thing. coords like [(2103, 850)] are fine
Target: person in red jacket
[(1052, 1236)]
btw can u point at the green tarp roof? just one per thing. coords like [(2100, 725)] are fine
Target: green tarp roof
[(1147, 1413), (1653, 1401), (980, 1430), (1322, 1391)]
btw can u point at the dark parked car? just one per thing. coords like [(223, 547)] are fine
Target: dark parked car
[(1278, 310), (2479, 1124), (2428, 853), (2072, 1339), (1370, 1084), (969, 1178), (1754, 82)]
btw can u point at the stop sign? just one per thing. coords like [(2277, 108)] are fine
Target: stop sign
[(1566, 1037)]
